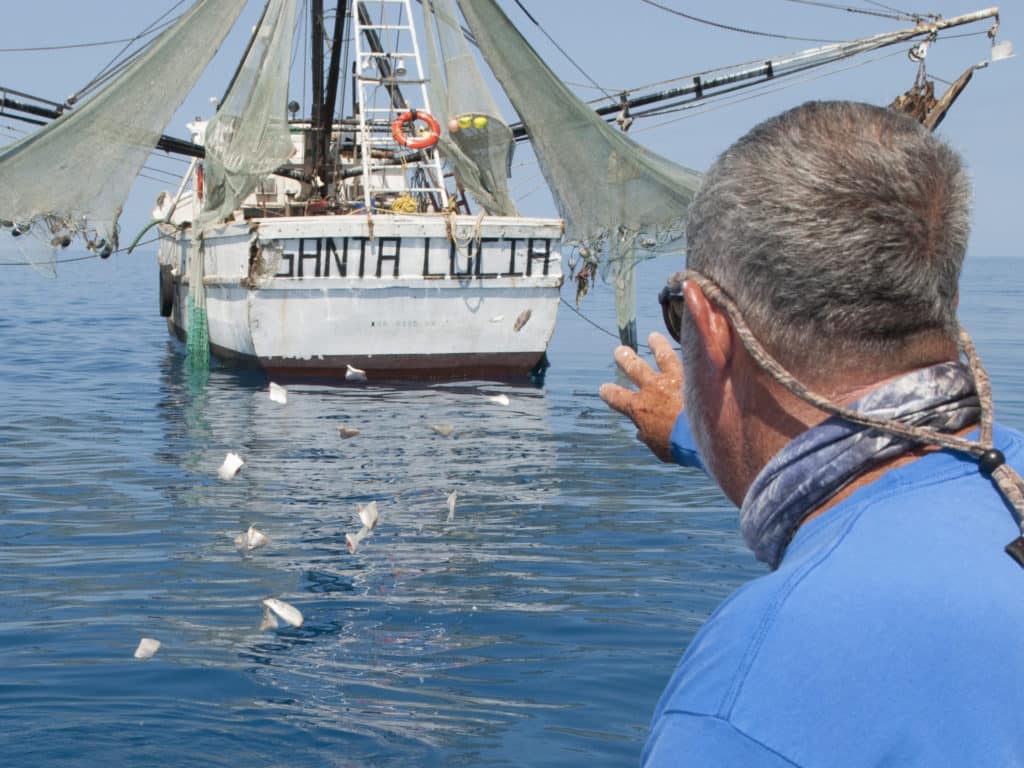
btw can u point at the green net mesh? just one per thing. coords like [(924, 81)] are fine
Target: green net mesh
[(620, 202), (70, 178), (198, 345), (475, 141)]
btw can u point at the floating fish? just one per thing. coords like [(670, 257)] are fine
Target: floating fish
[(347, 432), (451, 504), (147, 647), (274, 609), (269, 619), (445, 430), (369, 515), (497, 318), (354, 374), (499, 399), (251, 539), (278, 393), (352, 539), (523, 319), (232, 463)]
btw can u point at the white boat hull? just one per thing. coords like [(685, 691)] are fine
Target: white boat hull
[(395, 296)]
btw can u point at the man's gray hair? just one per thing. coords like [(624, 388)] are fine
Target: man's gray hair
[(839, 229)]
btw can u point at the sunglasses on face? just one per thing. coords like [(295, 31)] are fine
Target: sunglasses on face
[(672, 307)]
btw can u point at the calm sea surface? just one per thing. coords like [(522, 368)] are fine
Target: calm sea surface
[(537, 627)]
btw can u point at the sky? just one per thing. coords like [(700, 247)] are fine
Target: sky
[(622, 45)]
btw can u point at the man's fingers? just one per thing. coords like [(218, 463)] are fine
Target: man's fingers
[(664, 355), (635, 367), (617, 398)]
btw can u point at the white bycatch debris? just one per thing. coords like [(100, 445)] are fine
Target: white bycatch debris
[(497, 318), (452, 497), (499, 399), (352, 540), (444, 430), (274, 609), (147, 647), (369, 516), (269, 619), (522, 320), (354, 374), (232, 463), (251, 539), (347, 432), (278, 393)]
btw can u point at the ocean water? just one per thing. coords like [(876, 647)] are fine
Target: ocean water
[(536, 627)]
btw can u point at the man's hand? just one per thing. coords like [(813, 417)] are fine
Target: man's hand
[(658, 402)]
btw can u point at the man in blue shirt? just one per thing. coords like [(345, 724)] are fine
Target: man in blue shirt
[(826, 395)]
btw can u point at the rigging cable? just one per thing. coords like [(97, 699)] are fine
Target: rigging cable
[(78, 258), (64, 47), (113, 65), (563, 52), (895, 14), (731, 28), (588, 320), (891, 9)]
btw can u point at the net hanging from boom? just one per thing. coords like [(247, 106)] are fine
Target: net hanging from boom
[(69, 179), (476, 142), (245, 141), (248, 137), (620, 201)]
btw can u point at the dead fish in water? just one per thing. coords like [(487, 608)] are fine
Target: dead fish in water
[(451, 504), (444, 430), (278, 393), (369, 516), (251, 539), (499, 399), (347, 432), (232, 463), (269, 620), (147, 647), (354, 374), (274, 609), (497, 318), (352, 540), (523, 319)]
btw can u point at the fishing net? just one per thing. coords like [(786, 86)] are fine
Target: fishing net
[(248, 137), (620, 202), (245, 141), (69, 179), (476, 142)]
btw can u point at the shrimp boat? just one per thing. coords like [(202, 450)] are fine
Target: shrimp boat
[(359, 252), (380, 241)]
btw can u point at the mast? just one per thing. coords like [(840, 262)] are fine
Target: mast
[(333, 73), (314, 146)]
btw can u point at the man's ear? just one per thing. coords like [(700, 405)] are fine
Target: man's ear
[(712, 325)]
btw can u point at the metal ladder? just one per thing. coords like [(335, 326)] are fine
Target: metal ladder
[(386, 54)]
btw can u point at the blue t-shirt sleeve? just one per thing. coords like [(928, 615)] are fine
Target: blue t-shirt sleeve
[(681, 444), (682, 739)]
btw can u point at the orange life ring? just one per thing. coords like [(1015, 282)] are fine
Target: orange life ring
[(420, 142)]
